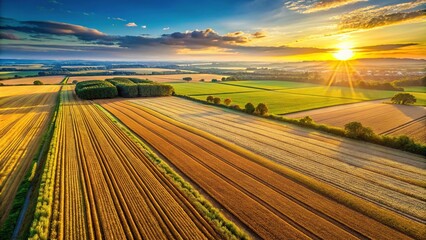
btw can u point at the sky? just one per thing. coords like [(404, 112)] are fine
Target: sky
[(211, 30)]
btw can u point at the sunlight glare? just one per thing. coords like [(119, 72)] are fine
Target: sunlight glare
[(344, 54)]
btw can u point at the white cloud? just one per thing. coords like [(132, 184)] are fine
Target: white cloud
[(131, 24), (144, 26), (120, 19), (166, 28)]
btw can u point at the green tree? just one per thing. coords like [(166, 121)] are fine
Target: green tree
[(210, 98), (403, 98), (216, 100), (37, 82), (306, 120), (227, 101), (249, 107), (74, 82), (187, 78), (262, 109), (356, 130)]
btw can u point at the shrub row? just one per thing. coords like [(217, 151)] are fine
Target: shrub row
[(123, 87), (154, 90), (95, 89), (352, 130)]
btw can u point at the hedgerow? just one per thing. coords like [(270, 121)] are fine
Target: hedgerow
[(123, 87), (154, 90), (95, 89)]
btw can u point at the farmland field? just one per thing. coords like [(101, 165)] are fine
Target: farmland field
[(30, 80), (155, 78), (389, 178), (281, 97), (24, 114), (99, 184), (271, 85), (383, 118), (268, 203), (415, 89), (4, 75), (420, 98), (147, 70)]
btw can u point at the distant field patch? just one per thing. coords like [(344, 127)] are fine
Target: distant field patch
[(281, 97), (6, 75), (342, 92), (200, 88), (30, 80), (147, 70), (155, 78), (415, 89), (387, 119), (420, 98), (271, 85), (279, 103)]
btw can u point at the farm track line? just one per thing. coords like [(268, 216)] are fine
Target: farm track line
[(400, 127), (121, 107)]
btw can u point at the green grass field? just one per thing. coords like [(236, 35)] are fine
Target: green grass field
[(415, 89), (270, 85), (206, 88), (420, 97), (5, 75), (283, 97), (279, 102), (342, 92)]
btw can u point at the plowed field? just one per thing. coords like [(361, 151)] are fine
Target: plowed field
[(269, 204), (106, 188), (387, 119)]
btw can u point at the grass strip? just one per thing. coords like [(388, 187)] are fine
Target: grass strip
[(65, 80), (385, 216), (31, 177), (223, 225), (41, 214)]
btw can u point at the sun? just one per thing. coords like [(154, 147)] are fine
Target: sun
[(344, 54)]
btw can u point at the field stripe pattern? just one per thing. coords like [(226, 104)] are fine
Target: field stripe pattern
[(24, 112), (269, 204), (105, 187)]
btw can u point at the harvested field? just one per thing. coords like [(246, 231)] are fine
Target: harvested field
[(24, 114), (388, 119), (155, 78), (30, 80), (384, 176), (148, 70), (101, 185), (269, 204)]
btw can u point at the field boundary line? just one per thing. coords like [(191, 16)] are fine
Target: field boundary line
[(369, 209)]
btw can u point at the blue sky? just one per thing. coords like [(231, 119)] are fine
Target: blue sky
[(199, 30)]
